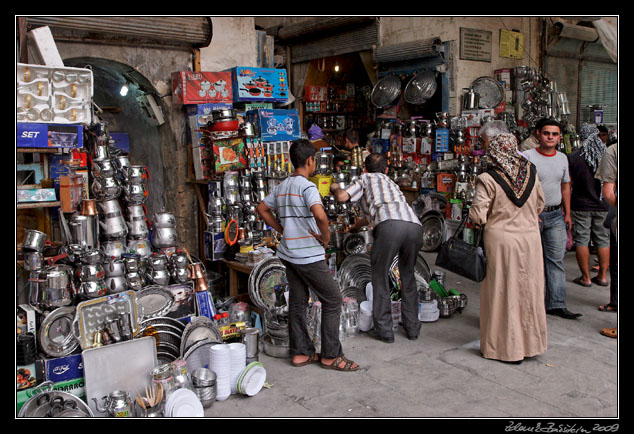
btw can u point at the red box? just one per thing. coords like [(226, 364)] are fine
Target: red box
[(192, 87), (316, 93)]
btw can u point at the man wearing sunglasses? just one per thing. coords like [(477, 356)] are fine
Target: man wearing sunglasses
[(552, 169)]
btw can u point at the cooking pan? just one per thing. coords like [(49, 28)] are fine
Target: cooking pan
[(253, 91)]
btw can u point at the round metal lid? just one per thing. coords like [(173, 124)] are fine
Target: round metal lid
[(385, 91), (490, 90), (56, 337), (421, 87)]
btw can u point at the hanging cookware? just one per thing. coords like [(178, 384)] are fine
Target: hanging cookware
[(421, 87), (386, 91), (135, 174), (106, 188), (163, 237), (164, 219)]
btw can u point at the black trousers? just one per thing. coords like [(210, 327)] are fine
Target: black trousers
[(316, 276), (393, 237)]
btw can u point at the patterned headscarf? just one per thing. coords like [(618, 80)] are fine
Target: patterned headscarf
[(510, 169), (593, 147)]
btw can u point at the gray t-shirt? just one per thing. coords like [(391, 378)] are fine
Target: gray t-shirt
[(552, 171), (292, 200)]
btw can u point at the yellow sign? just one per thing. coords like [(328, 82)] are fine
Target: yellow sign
[(511, 44)]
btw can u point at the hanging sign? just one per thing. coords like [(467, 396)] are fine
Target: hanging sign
[(475, 44), (511, 44)]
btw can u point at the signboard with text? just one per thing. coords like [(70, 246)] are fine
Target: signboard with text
[(475, 44)]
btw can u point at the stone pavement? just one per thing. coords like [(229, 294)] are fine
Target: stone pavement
[(443, 376)]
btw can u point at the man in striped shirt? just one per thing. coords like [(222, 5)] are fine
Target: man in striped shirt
[(303, 223), (397, 230)]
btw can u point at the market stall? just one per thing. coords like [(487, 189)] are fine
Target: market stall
[(144, 327)]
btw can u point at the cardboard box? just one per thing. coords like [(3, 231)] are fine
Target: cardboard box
[(194, 87), (71, 191), (259, 84), (229, 154), (28, 195), (504, 77), (37, 135), (121, 141), (205, 109), (275, 125), (61, 368), (215, 245)]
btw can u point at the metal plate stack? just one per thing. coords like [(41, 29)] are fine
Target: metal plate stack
[(265, 277), (155, 301), (200, 328), (168, 334)]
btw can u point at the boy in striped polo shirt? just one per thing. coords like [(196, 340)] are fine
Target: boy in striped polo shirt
[(303, 223)]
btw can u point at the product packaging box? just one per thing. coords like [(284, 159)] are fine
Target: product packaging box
[(229, 154), (316, 93), (60, 368), (38, 135), (275, 125), (205, 305), (198, 87), (206, 109), (215, 245), (259, 84)]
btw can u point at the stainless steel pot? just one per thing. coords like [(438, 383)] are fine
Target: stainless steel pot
[(135, 174), (114, 248), (137, 228), (93, 289), (103, 168), (164, 237), (114, 268), (33, 240), (33, 261), (84, 231), (106, 188), (140, 246), (164, 219), (116, 284), (135, 193), (52, 287), (470, 100)]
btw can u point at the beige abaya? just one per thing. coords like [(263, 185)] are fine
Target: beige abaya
[(512, 311)]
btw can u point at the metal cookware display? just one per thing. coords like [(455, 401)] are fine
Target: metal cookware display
[(47, 402), (386, 91), (421, 87), (490, 91), (267, 282)]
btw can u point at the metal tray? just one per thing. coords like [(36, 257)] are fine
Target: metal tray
[(92, 315), (122, 366)]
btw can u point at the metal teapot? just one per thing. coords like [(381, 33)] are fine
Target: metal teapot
[(116, 404)]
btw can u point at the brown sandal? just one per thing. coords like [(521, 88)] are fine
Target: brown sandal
[(607, 308), (337, 362), (609, 332), (311, 359)]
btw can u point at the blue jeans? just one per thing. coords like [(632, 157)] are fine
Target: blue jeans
[(553, 232)]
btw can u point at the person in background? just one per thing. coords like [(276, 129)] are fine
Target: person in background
[(338, 162), (397, 230), (316, 137), (604, 134), (303, 224), (490, 130), (552, 169), (508, 198), (608, 174), (588, 211), (533, 140)]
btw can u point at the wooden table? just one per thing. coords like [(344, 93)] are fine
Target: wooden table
[(236, 267)]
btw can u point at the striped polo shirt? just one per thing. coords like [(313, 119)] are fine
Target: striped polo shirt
[(380, 199), (292, 200)]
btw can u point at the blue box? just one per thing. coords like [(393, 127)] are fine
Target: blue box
[(259, 84), (205, 304), (36, 135), (205, 109), (275, 125), (61, 368), (121, 141)]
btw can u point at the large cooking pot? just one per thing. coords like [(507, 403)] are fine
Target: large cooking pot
[(52, 287), (34, 240)]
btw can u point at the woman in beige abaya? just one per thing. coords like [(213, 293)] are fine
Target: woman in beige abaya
[(508, 199)]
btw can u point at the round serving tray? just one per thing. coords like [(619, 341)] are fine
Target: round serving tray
[(56, 336)]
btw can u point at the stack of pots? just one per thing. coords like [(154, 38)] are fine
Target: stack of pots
[(105, 184), (32, 248), (134, 270), (135, 184), (164, 230), (204, 382), (157, 269), (115, 275), (216, 213), (138, 230), (259, 187), (178, 267), (91, 274)]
